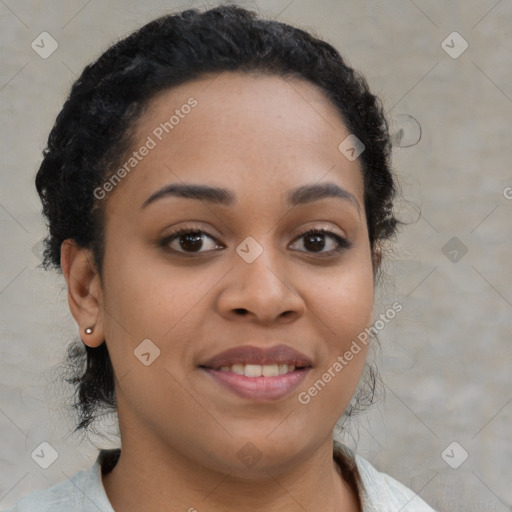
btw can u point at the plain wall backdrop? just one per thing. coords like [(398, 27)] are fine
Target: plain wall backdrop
[(445, 359)]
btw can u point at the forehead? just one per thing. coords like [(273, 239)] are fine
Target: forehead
[(241, 130)]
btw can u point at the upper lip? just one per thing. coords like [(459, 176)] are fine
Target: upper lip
[(248, 354)]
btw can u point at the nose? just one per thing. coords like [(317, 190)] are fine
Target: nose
[(261, 292)]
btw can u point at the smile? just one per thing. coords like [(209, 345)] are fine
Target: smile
[(259, 370), (258, 374)]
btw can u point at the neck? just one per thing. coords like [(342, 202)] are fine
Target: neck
[(150, 477)]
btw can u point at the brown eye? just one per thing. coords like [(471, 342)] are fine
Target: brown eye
[(314, 242), (190, 241), (322, 241)]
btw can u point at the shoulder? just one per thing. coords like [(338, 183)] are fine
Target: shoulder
[(83, 492), (380, 492)]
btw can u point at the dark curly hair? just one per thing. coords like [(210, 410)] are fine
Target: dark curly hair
[(95, 127)]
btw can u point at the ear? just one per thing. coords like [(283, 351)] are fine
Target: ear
[(376, 259), (84, 291)]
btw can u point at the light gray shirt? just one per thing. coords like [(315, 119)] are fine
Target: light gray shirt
[(84, 492)]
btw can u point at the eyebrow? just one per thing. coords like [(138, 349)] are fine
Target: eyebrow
[(206, 193), (310, 193), (298, 196)]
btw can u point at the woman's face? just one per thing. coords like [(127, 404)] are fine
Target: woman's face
[(247, 291)]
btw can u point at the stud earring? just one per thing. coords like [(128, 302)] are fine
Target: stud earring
[(88, 330)]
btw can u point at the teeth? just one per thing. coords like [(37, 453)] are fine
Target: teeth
[(259, 370), (238, 369), (283, 368), (269, 370), (253, 370)]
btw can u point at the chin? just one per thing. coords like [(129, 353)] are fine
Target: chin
[(251, 457)]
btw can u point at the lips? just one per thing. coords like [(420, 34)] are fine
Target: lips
[(258, 374), (250, 355)]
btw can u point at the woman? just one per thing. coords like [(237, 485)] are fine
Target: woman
[(218, 194)]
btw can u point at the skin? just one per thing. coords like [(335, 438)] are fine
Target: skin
[(259, 137)]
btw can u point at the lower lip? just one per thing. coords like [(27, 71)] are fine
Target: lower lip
[(259, 388)]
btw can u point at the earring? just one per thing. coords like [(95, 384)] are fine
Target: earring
[(88, 330)]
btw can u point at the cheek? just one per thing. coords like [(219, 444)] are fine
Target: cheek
[(147, 299), (351, 312), (342, 312), (345, 302)]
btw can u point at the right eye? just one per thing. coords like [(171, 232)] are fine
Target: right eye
[(190, 240)]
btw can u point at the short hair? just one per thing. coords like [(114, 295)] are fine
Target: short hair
[(95, 129)]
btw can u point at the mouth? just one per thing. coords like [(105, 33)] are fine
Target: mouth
[(259, 370), (258, 374)]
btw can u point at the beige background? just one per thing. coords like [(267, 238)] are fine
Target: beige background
[(445, 358)]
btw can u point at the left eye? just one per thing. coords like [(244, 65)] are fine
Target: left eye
[(322, 241)]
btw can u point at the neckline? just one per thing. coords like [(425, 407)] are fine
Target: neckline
[(343, 455), (345, 458)]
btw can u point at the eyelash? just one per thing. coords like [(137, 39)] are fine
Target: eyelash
[(342, 243)]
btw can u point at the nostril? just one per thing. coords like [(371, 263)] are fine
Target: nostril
[(241, 311)]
